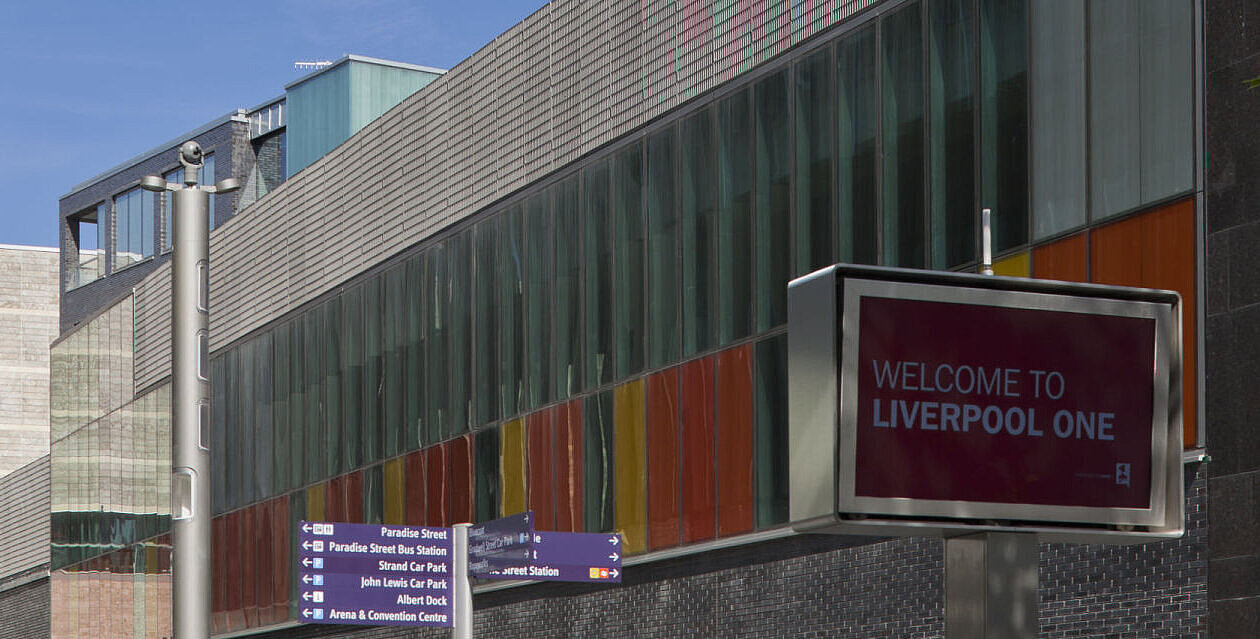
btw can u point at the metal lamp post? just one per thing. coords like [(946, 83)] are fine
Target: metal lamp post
[(190, 396)]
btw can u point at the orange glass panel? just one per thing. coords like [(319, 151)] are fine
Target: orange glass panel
[(437, 493), (395, 490), (569, 467), (512, 467), (1156, 249), (1066, 259), (696, 452), (414, 475), (540, 460), (630, 466), (663, 509), (733, 424), (461, 479)]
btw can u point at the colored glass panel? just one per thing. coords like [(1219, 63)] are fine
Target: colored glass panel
[(395, 490), (1156, 250), (734, 223), (770, 404), (661, 264), (598, 265), (951, 130), (281, 566), (335, 499), (373, 495), (567, 311), (733, 423), (538, 300), (414, 508), (569, 456), (512, 467), (597, 462), (1004, 119), (459, 349), (393, 379), (662, 459), (772, 213), (219, 570), (486, 466), (461, 460), (1017, 265), (1066, 259), (355, 487), (857, 126), (234, 602), (541, 460), (628, 242), (630, 466), (262, 555), (696, 450), (903, 162), (814, 211), (316, 498), (437, 485)]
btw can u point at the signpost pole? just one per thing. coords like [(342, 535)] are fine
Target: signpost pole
[(991, 586), (462, 629)]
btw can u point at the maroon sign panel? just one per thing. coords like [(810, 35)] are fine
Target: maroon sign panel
[(980, 403)]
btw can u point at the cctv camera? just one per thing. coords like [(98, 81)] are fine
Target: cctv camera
[(190, 155)]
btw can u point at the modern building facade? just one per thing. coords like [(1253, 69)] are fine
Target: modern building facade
[(554, 279)]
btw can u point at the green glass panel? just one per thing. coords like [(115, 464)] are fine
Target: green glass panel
[(281, 433), (661, 266), (627, 204), (371, 427), (538, 300), (486, 325), (334, 434), (597, 461), (218, 436), (486, 499), (902, 111), (414, 390), (351, 377), (951, 117), (734, 218), (313, 394), (438, 343), (1004, 119), (698, 213), (814, 235), (598, 285), (771, 415), (393, 380), (511, 287), (263, 426), (374, 495), (773, 214), (567, 304), (857, 124), (459, 272)]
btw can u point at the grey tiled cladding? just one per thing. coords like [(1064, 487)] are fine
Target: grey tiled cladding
[(24, 518), (518, 109)]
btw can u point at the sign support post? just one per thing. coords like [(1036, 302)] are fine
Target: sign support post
[(462, 629), (991, 586)]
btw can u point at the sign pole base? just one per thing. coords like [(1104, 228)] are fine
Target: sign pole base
[(463, 626), (991, 586)]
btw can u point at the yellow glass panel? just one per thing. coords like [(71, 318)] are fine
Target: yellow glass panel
[(630, 466), (395, 491), (1017, 265), (315, 502), (512, 467)]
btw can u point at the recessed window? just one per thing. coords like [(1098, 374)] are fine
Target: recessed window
[(133, 227), (87, 233)]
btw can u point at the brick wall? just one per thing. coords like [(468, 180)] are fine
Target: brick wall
[(24, 611)]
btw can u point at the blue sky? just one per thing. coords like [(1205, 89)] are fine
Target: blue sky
[(88, 85)]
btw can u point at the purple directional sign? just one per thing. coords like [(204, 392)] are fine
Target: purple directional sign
[(375, 574), (500, 543), (563, 556)]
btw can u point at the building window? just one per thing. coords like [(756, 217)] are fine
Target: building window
[(87, 233), (133, 227)]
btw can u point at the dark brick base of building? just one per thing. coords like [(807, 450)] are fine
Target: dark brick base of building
[(24, 611), (832, 586)]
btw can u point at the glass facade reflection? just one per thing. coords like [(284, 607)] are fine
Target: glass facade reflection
[(528, 352)]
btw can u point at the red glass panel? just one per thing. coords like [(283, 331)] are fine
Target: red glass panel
[(235, 594), (354, 497), (540, 460), (413, 475), (438, 493), (263, 590), (697, 451), (461, 479), (218, 569), (733, 423), (280, 566), (335, 499), (569, 467), (662, 459), (249, 567)]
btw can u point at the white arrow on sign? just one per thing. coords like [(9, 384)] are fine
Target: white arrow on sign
[(306, 561), (306, 528), (614, 556), (614, 572), (306, 545), (306, 612), (306, 596), (306, 579), (614, 540)]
